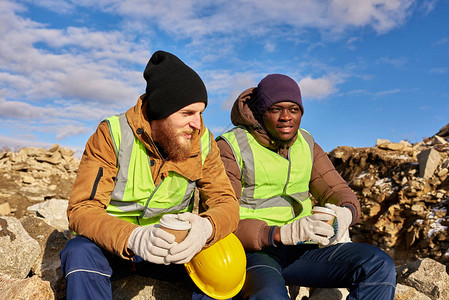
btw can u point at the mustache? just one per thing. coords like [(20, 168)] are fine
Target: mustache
[(191, 131)]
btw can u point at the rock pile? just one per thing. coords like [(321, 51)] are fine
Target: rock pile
[(34, 175), (403, 189), (404, 192)]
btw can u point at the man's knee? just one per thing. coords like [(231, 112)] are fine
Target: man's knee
[(382, 266), (80, 253)]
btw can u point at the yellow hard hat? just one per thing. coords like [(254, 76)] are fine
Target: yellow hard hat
[(220, 270)]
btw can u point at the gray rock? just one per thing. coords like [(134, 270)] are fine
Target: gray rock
[(48, 264), (426, 276), (29, 288), (18, 251), (53, 212), (141, 288), (404, 292), (428, 162), (328, 294), (5, 209)]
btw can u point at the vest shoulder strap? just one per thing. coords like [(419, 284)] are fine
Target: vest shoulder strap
[(309, 139)]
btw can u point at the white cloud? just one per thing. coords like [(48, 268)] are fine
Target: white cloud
[(442, 70), (428, 5), (318, 88), (382, 15), (197, 19), (397, 61), (229, 85), (77, 63), (441, 42), (388, 92), (13, 142), (270, 47), (71, 130)]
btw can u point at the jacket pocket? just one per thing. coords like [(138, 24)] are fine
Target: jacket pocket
[(97, 180)]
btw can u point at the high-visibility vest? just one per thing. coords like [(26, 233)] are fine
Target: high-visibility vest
[(274, 189), (135, 198)]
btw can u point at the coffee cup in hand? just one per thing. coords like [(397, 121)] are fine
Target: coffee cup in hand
[(173, 225), (332, 221)]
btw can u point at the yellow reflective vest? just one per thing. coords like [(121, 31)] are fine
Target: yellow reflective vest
[(135, 198), (274, 189)]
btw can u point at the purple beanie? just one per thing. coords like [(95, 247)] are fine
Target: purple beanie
[(272, 89)]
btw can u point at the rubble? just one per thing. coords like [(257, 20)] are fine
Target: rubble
[(404, 192)]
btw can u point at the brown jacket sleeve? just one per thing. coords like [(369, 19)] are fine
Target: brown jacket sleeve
[(91, 195), (217, 196), (231, 166), (327, 186)]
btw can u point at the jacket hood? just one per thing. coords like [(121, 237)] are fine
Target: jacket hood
[(241, 114)]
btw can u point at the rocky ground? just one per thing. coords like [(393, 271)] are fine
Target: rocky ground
[(403, 189)]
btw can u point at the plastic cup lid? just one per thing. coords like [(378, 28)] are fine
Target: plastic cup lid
[(324, 210), (172, 222)]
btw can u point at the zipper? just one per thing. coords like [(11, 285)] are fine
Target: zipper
[(97, 180)]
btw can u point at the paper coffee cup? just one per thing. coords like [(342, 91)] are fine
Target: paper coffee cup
[(173, 225), (325, 210)]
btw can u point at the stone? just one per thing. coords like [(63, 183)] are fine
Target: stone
[(443, 172), (428, 162), (142, 288), (438, 140), (405, 143), (48, 264), (54, 148), (381, 141), (53, 212), (392, 146), (5, 209), (328, 294), (28, 178), (18, 251), (29, 288), (404, 292), (426, 276)]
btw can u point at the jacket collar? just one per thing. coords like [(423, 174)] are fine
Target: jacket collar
[(241, 114)]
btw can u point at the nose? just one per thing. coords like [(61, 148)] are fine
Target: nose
[(196, 122), (285, 115)]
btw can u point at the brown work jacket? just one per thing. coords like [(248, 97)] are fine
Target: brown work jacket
[(326, 185), (92, 189)]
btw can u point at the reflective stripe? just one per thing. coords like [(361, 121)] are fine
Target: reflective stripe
[(284, 190), (309, 139), (248, 171), (149, 212), (125, 145), (135, 198), (87, 271), (205, 142)]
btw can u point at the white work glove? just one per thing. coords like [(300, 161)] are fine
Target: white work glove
[(199, 233), (310, 228), (344, 219), (151, 243)]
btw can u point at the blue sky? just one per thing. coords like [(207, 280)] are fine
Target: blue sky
[(367, 69)]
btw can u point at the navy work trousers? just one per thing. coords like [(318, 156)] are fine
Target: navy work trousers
[(367, 271), (89, 270)]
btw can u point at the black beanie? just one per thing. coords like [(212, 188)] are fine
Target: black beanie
[(171, 85)]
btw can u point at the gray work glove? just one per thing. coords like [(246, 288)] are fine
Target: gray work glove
[(344, 220), (310, 228), (151, 243), (199, 233)]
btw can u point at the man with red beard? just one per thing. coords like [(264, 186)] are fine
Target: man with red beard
[(137, 167)]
